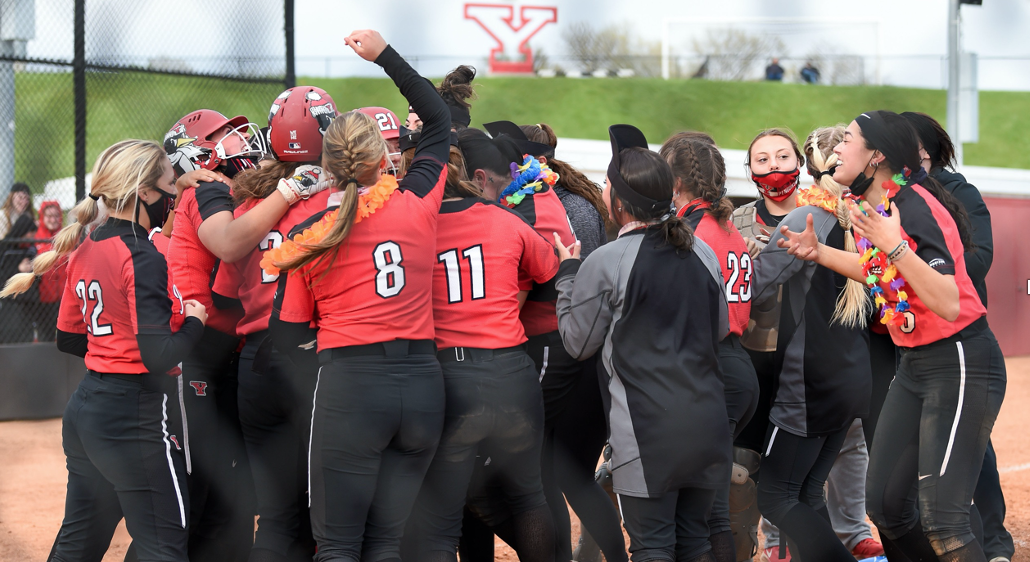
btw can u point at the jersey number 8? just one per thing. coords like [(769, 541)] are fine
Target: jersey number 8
[(390, 272)]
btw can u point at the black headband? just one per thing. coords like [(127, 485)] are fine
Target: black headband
[(873, 127), (628, 136), (535, 149)]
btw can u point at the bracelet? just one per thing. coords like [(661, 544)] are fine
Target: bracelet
[(898, 251)]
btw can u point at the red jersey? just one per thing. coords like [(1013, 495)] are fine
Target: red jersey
[(378, 286), (117, 289), (193, 266), (482, 250), (934, 238), (729, 247), (246, 281), (161, 242), (545, 212)]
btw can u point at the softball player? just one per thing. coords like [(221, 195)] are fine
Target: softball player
[(936, 420), (698, 195), (364, 273), (658, 352), (274, 394), (121, 434)]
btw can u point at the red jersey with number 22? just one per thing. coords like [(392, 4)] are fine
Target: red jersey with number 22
[(482, 249), (729, 247)]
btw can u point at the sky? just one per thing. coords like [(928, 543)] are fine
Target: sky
[(910, 36)]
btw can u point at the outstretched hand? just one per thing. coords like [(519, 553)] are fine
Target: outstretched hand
[(566, 253), (803, 245), (883, 232), (367, 43)]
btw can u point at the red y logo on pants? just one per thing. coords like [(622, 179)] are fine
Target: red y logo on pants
[(200, 387)]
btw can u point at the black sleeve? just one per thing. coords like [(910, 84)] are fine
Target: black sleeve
[(434, 145), (931, 246), (213, 197), (296, 340), (978, 261), (223, 302), (72, 343), (161, 352), (159, 348)]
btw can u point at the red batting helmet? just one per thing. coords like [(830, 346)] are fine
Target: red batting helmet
[(190, 143), (297, 121), (386, 120)]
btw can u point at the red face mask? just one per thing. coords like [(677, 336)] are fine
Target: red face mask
[(777, 185)]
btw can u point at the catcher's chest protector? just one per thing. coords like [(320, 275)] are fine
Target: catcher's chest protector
[(763, 326)]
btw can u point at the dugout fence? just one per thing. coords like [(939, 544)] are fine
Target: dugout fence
[(79, 75)]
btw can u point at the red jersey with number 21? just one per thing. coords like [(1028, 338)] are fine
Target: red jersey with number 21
[(729, 247)]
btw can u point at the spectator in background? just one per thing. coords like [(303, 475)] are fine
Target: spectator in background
[(809, 73), (51, 284), (16, 215), (774, 71)]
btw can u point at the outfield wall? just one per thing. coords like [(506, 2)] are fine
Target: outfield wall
[(1005, 190)]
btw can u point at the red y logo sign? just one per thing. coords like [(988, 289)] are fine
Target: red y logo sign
[(200, 387), (511, 34)]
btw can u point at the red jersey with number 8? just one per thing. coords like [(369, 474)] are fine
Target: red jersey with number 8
[(377, 287), (482, 250), (729, 247), (117, 288), (246, 280)]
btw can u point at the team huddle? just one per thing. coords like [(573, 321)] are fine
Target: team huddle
[(396, 342)]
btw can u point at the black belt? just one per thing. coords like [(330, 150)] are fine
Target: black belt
[(448, 354), (395, 348), (134, 379)]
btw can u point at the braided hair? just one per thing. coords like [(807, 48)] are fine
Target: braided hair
[(698, 164)]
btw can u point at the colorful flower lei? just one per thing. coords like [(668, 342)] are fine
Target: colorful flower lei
[(817, 197), (368, 203), (875, 260), (525, 179)]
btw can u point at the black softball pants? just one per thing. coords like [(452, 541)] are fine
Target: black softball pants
[(790, 493), (931, 437), (377, 420), (220, 486), (741, 383), (669, 527), (493, 400), (275, 411), (122, 441)]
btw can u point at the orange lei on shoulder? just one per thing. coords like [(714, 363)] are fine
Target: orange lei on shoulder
[(368, 203), (817, 197)]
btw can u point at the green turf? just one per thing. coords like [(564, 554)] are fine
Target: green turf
[(145, 106)]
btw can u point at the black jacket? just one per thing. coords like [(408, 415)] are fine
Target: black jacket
[(978, 260)]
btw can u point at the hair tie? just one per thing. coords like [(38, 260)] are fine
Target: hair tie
[(94, 197)]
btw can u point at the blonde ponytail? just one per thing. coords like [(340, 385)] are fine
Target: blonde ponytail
[(352, 150), (118, 174), (853, 304)]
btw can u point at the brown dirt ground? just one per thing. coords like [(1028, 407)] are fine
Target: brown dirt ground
[(33, 479)]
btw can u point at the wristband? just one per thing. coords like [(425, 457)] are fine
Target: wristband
[(898, 251)]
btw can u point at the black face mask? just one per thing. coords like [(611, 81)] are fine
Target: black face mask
[(861, 183), (158, 210)]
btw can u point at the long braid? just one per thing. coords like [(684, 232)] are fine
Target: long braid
[(853, 305), (697, 162)]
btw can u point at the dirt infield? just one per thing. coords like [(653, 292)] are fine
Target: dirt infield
[(33, 479)]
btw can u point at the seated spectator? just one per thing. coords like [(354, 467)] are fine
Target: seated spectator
[(51, 284), (17, 223), (810, 73), (774, 71)]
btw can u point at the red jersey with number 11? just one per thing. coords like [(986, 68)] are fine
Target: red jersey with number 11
[(482, 250), (729, 247)]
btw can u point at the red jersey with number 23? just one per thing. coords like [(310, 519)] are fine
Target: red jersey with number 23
[(729, 247), (245, 280), (482, 250)]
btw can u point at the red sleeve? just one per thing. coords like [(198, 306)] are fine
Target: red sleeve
[(294, 299), (69, 316), (539, 257), (228, 280)]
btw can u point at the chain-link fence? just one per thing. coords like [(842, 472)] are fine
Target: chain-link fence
[(79, 75)]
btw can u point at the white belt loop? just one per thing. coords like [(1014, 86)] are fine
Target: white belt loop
[(459, 353)]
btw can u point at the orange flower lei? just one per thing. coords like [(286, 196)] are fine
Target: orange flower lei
[(818, 197), (368, 203)]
